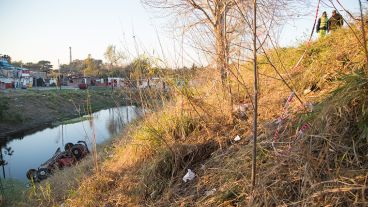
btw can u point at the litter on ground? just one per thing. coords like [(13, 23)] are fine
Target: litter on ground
[(237, 138), (210, 192), (189, 176)]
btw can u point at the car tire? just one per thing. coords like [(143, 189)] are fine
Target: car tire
[(43, 173), (77, 153), (31, 174), (68, 146)]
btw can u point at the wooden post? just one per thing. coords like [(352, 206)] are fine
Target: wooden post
[(255, 116)]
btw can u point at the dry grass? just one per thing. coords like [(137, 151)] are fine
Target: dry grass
[(327, 166)]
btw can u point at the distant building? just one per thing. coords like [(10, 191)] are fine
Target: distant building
[(6, 70), (6, 74), (39, 78), (14, 77), (116, 82), (154, 82), (5, 83)]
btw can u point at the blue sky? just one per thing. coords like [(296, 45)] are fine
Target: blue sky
[(33, 30)]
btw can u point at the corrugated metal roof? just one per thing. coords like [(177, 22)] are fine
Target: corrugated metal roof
[(5, 65)]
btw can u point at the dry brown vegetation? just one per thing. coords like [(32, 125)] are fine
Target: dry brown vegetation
[(326, 166)]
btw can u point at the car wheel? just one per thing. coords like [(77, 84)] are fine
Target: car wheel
[(43, 173), (68, 146), (77, 153), (31, 174)]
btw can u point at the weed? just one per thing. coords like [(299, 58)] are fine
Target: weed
[(3, 108), (13, 192)]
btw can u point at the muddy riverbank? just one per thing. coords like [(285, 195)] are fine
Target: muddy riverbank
[(24, 111)]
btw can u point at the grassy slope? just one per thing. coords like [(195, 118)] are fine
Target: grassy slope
[(325, 166)]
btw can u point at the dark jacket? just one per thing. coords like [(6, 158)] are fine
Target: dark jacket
[(336, 21)]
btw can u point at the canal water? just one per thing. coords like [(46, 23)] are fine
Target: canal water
[(34, 149)]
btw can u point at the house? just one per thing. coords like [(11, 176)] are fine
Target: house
[(69, 81), (6, 74), (74, 81), (116, 82), (6, 70), (22, 78), (100, 82), (39, 78), (154, 82), (14, 77), (6, 83)]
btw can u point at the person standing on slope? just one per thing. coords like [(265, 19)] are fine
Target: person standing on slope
[(336, 21), (322, 25)]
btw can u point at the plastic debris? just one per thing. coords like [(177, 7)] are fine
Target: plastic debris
[(189, 176), (237, 138), (210, 192)]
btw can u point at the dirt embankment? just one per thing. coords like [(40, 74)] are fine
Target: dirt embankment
[(26, 110)]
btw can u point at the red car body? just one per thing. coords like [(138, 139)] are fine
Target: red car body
[(72, 154)]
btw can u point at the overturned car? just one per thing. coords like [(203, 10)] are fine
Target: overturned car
[(72, 153)]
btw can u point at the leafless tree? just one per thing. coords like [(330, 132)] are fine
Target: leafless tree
[(223, 28), (209, 23)]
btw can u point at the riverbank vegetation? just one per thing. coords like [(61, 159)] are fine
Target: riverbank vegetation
[(318, 158), (21, 111), (312, 128)]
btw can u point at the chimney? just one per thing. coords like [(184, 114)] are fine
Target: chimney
[(70, 55)]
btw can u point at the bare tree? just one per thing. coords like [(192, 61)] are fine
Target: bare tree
[(223, 28), (208, 22), (113, 56)]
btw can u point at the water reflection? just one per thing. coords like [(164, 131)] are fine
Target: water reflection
[(8, 151), (19, 155), (117, 120)]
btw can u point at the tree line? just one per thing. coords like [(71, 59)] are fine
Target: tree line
[(140, 67)]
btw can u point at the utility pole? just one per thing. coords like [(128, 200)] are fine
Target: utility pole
[(59, 74), (255, 116), (70, 55)]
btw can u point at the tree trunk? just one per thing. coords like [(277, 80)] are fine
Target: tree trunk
[(222, 51), (220, 44), (255, 115)]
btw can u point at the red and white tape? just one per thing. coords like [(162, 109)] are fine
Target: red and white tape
[(280, 121)]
